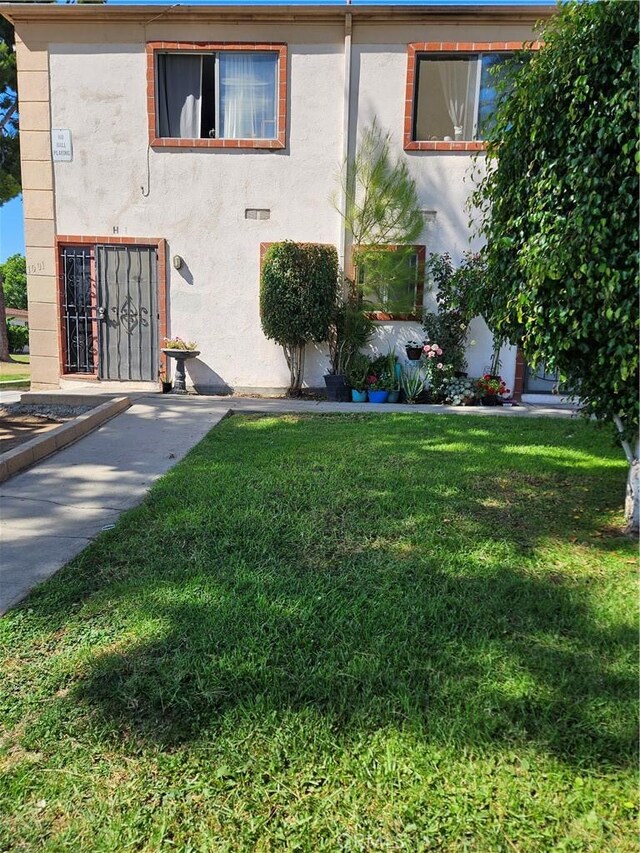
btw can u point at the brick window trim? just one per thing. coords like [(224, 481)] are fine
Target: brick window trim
[(155, 47), (84, 241), (413, 316), (416, 48)]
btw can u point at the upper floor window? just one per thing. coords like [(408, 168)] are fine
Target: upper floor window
[(451, 93), (455, 96), (234, 96)]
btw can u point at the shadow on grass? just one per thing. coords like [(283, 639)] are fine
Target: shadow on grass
[(399, 583)]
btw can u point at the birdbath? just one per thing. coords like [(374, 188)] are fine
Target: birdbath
[(180, 355)]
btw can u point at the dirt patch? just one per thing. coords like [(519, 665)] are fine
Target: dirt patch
[(20, 423)]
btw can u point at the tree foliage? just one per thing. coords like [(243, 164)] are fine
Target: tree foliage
[(298, 294), (9, 140), (13, 273), (559, 207), (382, 209)]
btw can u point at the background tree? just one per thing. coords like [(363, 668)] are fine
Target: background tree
[(14, 276), (9, 148), (382, 209), (559, 211), (298, 293)]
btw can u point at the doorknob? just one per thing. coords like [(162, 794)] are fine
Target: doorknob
[(101, 312)]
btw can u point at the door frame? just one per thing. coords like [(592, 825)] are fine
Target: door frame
[(84, 241)]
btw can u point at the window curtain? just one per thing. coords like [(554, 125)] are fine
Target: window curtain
[(180, 90), (458, 80), (248, 95)]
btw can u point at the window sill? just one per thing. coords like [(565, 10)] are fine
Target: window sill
[(166, 142), (386, 316), (441, 145)]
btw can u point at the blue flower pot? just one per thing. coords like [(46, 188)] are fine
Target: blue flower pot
[(378, 396), (394, 397), (358, 396)]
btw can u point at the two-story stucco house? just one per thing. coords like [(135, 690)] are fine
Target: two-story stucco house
[(163, 146)]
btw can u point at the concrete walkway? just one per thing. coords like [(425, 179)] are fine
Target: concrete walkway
[(52, 511)]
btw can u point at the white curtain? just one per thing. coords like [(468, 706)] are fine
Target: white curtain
[(180, 88), (248, 95), (456, 77)]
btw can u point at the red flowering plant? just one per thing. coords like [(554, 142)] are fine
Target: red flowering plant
[(492, 386), (378, 382)]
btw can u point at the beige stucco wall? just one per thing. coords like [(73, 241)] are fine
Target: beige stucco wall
[(39, 213), (196, 199)]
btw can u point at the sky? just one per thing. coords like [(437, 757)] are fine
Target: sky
[(11, 222)]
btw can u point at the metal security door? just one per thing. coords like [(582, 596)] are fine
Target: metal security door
[(127, 312)]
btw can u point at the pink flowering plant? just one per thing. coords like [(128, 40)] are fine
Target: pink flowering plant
[(437, 369), (178, 343)]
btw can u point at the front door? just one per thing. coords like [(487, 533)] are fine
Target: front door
[(127, 312)]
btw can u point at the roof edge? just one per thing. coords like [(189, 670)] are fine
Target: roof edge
[(50, 12)]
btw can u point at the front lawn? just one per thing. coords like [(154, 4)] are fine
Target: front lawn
[(394, 632), (17, 369)]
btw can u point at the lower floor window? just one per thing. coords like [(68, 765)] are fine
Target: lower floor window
[(390, 280)]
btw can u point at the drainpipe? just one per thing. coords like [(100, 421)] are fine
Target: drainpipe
[(346, 103)]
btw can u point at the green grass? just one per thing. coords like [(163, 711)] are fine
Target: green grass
[(365, 633), (13, 372)]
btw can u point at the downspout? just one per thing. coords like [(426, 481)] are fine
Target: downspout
[(344, 160)]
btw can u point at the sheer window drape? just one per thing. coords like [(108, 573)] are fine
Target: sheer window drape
[(247, 96), (458, 84)]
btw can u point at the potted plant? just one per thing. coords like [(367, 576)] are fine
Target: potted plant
[(350, 330), (376, 388), (460, 391), (491, 389), (181, 351), (392, 374), (358, 373), (414, 380), (414, 350)]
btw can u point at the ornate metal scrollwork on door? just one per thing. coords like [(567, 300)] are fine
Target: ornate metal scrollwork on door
[(130, 316)]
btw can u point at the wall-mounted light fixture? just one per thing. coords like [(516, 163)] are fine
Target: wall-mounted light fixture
[(177, 261)]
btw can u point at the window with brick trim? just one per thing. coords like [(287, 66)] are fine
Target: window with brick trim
[(390, 281), (455, 95), (217, 95), (451, 93)]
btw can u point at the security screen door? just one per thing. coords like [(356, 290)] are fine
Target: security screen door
[(127, 312)]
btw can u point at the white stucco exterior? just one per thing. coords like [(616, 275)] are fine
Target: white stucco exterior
[(195, 199)]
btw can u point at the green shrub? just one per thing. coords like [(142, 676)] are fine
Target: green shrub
[(298, 295), (18, 337)]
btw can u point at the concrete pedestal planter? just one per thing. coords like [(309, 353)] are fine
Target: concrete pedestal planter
[(180, 355)]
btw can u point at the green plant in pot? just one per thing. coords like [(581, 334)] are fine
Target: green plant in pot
[(359, 372), (414, 381), (461, 391), (392, 374), (349, 332)]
